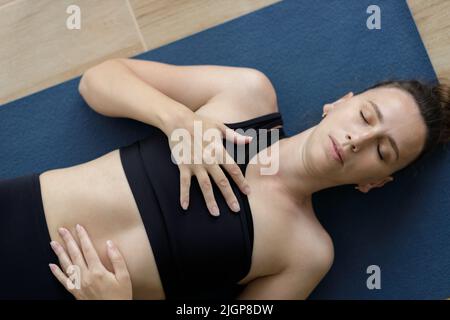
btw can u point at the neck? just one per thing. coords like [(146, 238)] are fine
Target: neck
[(295, 173)]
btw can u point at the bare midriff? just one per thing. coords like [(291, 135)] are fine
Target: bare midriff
[(97, 195)]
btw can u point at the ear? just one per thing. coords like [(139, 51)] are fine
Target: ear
[(347, 96), (329, 106), (366, 187)]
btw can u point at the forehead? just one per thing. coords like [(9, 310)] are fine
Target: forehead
[(401, 119)]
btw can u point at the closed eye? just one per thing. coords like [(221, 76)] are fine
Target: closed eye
[(379, 153), (364, 118), (378, 146)]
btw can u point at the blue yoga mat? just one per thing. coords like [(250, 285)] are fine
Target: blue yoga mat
[(314, 52)]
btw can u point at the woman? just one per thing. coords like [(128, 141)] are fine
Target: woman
[(273, 249)]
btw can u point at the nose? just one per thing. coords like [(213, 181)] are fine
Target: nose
[(356, 141)]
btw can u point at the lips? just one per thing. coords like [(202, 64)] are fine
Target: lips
[(337, 149)]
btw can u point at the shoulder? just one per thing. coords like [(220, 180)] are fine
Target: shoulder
[(313, 259), (258, 85), (251, 95), (313, 250)]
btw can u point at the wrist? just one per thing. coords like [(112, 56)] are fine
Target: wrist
[(174, 119)]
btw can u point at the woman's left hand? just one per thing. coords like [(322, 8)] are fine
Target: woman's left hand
[(88, 278)]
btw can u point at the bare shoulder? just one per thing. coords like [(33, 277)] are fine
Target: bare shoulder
[(315, 250), (310, 261), (307, 244), (304, 254), (251, 96)]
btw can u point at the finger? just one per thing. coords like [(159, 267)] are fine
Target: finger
[(207, 191), (72, 248), (234, 136), (89, 252), (59, 274), (224, 185), (236, 174), (62, 255), (118, 262), (185, 184)]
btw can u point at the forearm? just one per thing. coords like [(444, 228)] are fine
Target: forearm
[(113, 90)]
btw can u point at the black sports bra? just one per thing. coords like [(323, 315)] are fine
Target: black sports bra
[(197, 255)]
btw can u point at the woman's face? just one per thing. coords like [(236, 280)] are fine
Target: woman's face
[(379, 132)]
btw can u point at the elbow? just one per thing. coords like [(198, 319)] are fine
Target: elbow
[(94, 82), (88, 82), (90, 77), (82, 85), (88, 89)]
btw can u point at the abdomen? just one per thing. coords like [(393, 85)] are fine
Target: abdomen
[(96, 195)]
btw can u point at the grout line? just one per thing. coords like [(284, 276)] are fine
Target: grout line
[(136, 25), (9, 3)]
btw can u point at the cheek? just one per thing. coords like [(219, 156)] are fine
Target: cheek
[(374, 173), (366, 163)]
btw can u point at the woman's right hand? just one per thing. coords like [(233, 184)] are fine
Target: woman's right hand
[(204, 164), (92, 280)]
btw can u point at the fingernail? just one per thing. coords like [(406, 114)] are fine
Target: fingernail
[(235, 206), (52, 266), (62, 231), (109, 244), (215, 210), (78, 227), (247, 190), (54, 245), (184, 204)]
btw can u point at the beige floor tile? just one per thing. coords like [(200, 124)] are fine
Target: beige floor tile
[(39, 51), (433, 22), (164, 21), (4, 2)]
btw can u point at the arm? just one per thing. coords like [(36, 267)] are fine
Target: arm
[(297, 280), (166, 96), (283, 286), (112, 89), (160, 94)]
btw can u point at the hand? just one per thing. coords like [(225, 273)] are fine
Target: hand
[(204, 164), (92, 280)]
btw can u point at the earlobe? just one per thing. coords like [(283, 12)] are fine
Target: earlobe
[(326, 108), (366, 187)]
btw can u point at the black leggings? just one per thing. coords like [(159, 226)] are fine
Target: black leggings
[(25, 250)]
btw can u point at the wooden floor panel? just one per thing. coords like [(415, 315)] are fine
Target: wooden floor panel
[(38, 51)]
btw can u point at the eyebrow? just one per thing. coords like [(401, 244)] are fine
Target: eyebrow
[(381, 119)]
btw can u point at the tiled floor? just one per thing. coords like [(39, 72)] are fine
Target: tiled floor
[(162, 22), (40, 51), (433, 22)]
